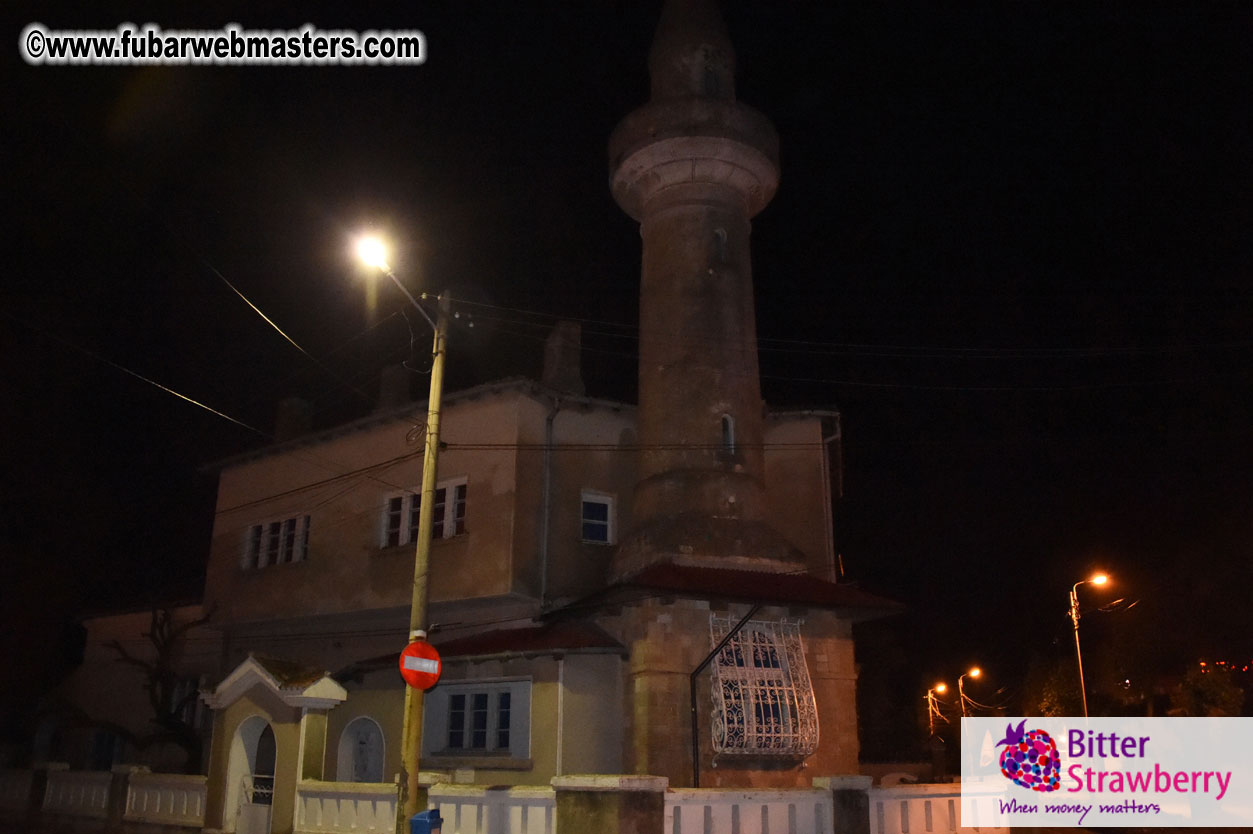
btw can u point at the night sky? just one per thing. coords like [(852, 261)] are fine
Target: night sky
[(1011, 245)]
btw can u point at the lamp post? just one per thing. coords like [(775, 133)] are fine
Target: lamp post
[(374, 254), (974, 672), (933, 707), (1099, 579)]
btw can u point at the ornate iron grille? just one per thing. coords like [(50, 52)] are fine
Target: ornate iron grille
[(763, 701)]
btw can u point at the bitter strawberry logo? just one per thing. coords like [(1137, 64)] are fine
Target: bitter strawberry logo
[(1030, 758)]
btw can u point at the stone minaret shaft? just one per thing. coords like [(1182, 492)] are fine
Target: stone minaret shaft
[(693, 166)]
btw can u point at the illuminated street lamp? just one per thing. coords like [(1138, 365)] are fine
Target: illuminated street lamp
[(1098, 579), (974, 672), (374, 253), (933, 707)]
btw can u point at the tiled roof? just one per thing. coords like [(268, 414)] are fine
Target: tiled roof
[(550, 638), (557, 636), (289, 674)]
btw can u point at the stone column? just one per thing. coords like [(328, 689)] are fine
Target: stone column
[(611, 804), (850, 800), (119, 791), (426, 780), (312, 744), (39, 788)]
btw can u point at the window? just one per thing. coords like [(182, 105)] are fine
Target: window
[(597, 517), (763, 701), (400, 516), (485, 718), (720, 246), (728, 434), (277, 542)]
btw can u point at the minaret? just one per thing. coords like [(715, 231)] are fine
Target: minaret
[(693, 166)]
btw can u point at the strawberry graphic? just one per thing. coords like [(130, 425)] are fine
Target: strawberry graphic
[(1030, 758)]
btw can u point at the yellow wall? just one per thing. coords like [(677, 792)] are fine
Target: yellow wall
[(285, 722), (380, 700), (591, 732)]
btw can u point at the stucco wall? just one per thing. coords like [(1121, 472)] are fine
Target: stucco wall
[(798, 490), (584, 689), (575, 568), (592, 731), (382, 698), (342, 483)]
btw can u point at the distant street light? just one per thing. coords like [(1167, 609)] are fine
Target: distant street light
[(1098, 579), (933, 707), (974, 672), (374, 253)]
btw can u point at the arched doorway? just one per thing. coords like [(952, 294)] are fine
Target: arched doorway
[(360, 752), (250, 785)]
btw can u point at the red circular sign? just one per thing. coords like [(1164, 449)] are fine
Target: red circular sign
[(420, 665)]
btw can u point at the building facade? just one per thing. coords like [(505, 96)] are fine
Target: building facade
[(614, 588)]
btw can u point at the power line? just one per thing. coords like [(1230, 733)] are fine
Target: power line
[(135, 374), (818, 347), (851, 383), (280, 331)]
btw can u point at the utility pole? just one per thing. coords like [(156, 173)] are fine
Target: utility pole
[(411, 728), (374, 253)]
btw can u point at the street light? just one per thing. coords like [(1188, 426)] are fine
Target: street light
[(974, 672), (933, 707), (374, 253), (1098, 579)]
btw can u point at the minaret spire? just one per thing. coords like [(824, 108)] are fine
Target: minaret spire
[(692, 53), (693, 166)]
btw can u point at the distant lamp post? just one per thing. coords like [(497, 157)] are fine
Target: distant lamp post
[(974, 672), (374, 253), (933, 707), (1098, 579)]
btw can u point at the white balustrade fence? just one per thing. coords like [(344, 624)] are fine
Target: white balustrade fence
[(166, 798), (721, 811), (15, 788), (919, 809), (471, 809), (83, 793), (335, 807)]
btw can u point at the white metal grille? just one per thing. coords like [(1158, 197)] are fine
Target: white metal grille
[(763, 701)]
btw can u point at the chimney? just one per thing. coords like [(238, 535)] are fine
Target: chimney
[(293, 418), (394, 387), (562, 363)]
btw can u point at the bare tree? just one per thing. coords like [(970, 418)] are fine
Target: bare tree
[(169, 696)]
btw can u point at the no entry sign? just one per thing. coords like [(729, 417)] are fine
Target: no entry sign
[(420, 664)]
